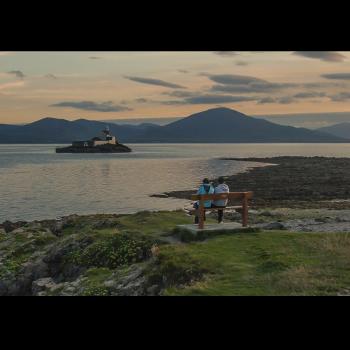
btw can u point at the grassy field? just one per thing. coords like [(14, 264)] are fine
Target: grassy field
[(268, 263), (261, 263), (264, 263)]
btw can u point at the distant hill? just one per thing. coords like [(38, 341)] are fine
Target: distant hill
[(219, 125), (53, 130), (339, 130), (223, 125)]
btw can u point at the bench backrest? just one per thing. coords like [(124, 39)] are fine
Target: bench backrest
[(215, 197)]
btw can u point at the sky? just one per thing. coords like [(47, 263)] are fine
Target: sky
[(135, 85)]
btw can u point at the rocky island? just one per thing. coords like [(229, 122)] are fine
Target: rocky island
[(96, 145)]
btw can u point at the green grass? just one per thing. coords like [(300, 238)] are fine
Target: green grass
[(244, 263), (268, 263), (155, 224)]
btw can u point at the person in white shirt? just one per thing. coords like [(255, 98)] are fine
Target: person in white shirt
[(221, 188)]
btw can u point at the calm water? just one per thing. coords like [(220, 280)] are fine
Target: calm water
[(37, 183)]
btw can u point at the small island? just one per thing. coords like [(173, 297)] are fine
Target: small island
[(96, 145)]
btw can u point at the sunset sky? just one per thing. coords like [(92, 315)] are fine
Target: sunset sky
[(127, 85)]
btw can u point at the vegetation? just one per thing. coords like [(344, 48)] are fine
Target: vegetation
[(142, 254), (269, 263)]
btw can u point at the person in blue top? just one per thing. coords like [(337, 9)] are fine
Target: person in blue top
[(205, 188)]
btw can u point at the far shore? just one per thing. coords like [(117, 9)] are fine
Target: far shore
[(292, 182)]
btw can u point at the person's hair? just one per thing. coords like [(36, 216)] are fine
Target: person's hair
[(206, 181), (221, 180)]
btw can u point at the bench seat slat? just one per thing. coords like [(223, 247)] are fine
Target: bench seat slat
[(221, 196)]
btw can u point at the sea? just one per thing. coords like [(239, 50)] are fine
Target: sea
[(36, 183)]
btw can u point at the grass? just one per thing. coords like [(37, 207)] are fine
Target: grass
[(268, 263), (224, 264)]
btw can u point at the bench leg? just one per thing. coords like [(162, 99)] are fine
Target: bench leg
[(201, 216), (245, 212)]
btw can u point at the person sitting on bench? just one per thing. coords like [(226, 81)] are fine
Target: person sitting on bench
[(204, 188), (221, 188)]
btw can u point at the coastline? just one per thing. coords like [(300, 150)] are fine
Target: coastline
[(292, 182), (300, 208)]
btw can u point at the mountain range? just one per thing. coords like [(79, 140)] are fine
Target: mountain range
[(219, 125), (339, 130)]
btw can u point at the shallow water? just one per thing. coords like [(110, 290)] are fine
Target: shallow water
[(37, 183)]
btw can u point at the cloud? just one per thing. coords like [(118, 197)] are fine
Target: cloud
[(226, 53), (286, 100), (93, 106), (11, 85), (157, 82), (17, 73), (142, 100), (183, 71), (266, 100), (211, 99), (51, 76), (95, 58), (337, 76), (241, 63), (179, 93), (329, 56), (281, 100), (231, 83), (232, 79), (340, 97), (309, 94)]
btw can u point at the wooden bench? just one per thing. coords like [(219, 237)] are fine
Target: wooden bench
[(202, 198)]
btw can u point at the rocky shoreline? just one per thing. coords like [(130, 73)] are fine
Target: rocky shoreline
[(292, 182), (131, 254)]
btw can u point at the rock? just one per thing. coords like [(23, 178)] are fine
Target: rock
[(18, 231), (42, 285), (266, 213), (153, 290), (34, 226), (274, 226), (57, 228), (9, 226), (131, 284), (254, 212), (106, 223)]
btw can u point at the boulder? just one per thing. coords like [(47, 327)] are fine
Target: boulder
[(9, 226), (275, 226), (42, 285)]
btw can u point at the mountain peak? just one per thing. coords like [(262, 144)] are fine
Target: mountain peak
[(48, 120)]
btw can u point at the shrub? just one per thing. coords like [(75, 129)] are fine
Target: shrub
[(112, 252)]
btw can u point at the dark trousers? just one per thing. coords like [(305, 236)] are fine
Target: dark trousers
[(220, 213)]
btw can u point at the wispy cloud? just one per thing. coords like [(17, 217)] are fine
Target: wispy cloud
[(309, 95), (231, 83), (93, 106), (241, 63), (265, 100), (95, 58), (157, 82), (329, 56), (51, 76), (340, 97), (210, 99), (17, 73), (11, 85), (337, 76), (226, 53)]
